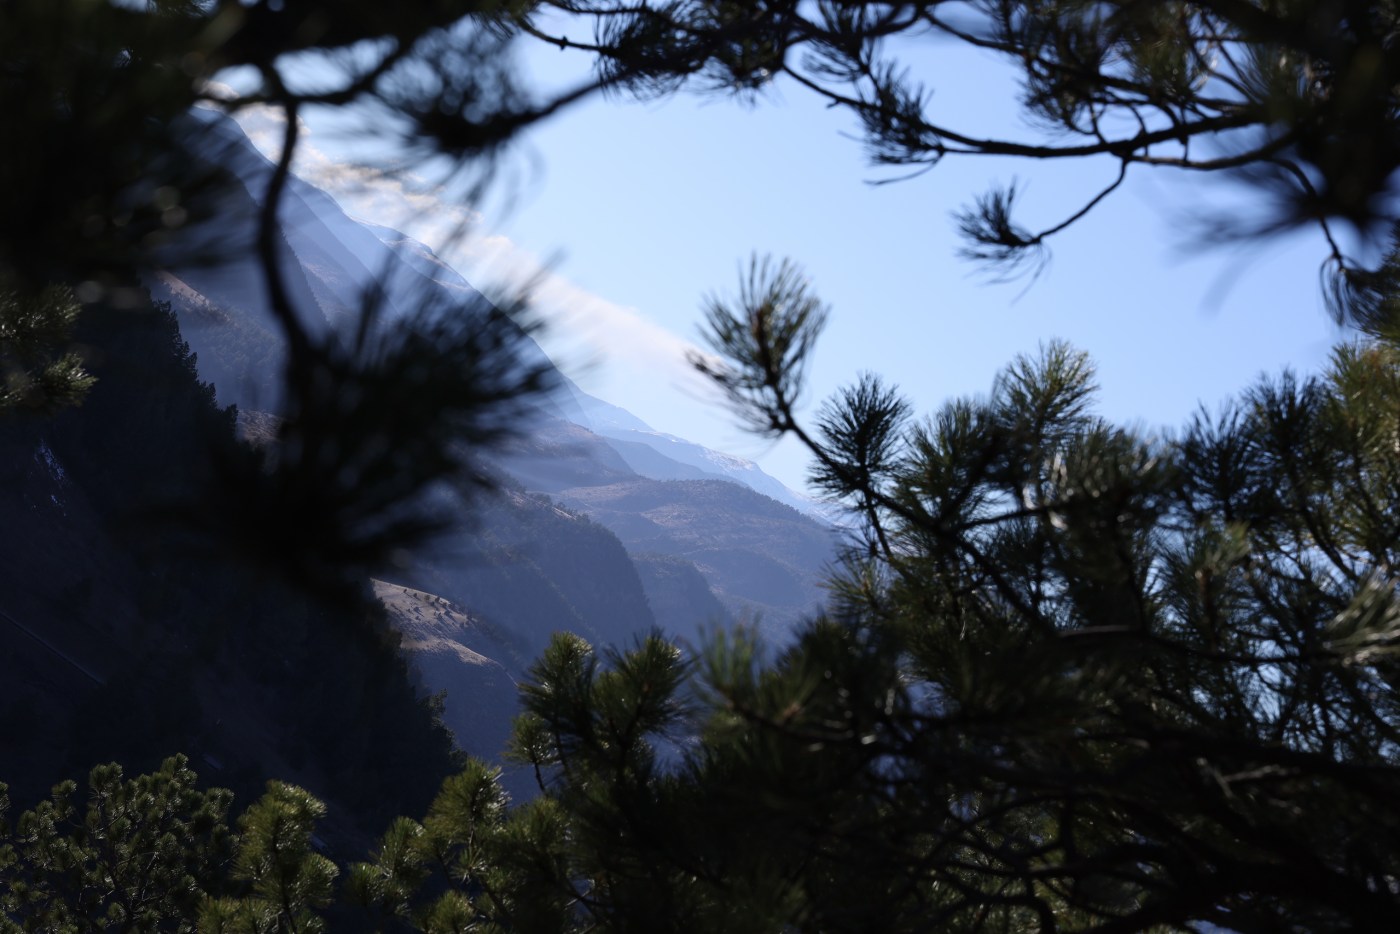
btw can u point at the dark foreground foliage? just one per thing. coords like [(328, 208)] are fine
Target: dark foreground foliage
[(110, 555), (1076, 680)]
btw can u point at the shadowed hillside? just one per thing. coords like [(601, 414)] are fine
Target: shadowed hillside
[(127, 634)]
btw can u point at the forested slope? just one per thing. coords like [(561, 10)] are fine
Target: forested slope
[(129, 635)]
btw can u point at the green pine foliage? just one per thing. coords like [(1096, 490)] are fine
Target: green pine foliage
[(139, 856), (485, 867), (1080, 677), (286, 880), (1074, 679), (36, 371)]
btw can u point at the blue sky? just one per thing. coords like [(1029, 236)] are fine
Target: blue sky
[(638, 210)]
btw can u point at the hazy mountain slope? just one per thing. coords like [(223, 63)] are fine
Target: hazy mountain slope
[(529, 568), (344, 260), (339, 259), (760, 557), (663, 456), (554, 455), (681, 598), (442, 641), (645, 460), (127, 632)]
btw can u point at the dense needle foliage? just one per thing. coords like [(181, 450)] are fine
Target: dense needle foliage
[(1076, 680)]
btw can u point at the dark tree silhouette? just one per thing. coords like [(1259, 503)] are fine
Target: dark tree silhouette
[(1295, 99)]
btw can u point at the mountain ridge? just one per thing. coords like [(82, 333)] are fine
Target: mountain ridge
[(548, 550)]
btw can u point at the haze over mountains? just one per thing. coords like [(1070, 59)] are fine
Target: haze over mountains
[(603, 526)]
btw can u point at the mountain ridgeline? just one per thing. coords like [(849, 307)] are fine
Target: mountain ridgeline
[(597, 523)]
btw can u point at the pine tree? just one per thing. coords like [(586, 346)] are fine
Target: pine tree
[(288, 881), (35, 372), (138, 857), (1074, 678), (1295, 100)]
